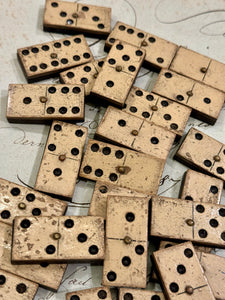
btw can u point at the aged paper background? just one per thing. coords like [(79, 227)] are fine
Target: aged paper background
[(197, 24)]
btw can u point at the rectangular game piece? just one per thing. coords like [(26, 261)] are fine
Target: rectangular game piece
[(129, 131), (125, 261), (61, 160), (85, 74), (17, 200), (181, 273), (102, 190), (120, 166), (63, 16), (202, 152), (44, 102), (205, 101), (199, 67), (166, 244), (15, 287), (47, 275), (151, 107), (200, 187), (202, 223), (159, 52), (90, 294), (214, 270), (118, 73), (138, 294), (58, 239), (43, 60)]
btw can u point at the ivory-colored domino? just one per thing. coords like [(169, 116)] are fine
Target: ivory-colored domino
[(44, 102), (17, 200), (93, 294), (43, 60), (137, 134), (202, 223), (61, 160), (58, 239), (151, 107), (47, 275), (125, 263), (15, 287), (203, 152), (199, 67), (118, 73), (85, 74), (77, 17), (205, 101), (214, 270), (166, 244), (138, 294), (120, 166), (159, 52), (102, 190), (200, 187), (181, 273)]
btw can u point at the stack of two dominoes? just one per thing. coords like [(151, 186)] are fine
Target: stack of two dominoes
[(148, 124)]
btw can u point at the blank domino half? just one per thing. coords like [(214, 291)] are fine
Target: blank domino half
[(161, 111), (203, 153), (159, 52), (15, 287), (118, 73), (199, 67), (45, 102), (17, 200), (206, 102), (101, 192), (46, 275), (58, 239), (202, 223), (61, 160), (120, 166), (130, 131), (76, 17), (125, 261), (181, 273), (93, 294), (201, 188), (43, 60), (85, 74)]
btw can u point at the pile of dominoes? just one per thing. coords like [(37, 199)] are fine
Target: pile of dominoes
[(126, 160)]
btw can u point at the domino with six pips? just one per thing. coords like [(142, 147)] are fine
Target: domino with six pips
[(132, 177)]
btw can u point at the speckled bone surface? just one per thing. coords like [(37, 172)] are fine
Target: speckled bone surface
[(118, 73), (202, 223), (46, 275), (202, 152), (61, 160), (42, 60), (94, 294), (181, 273), (17, 200), (119, 166), (41, 103), (77, 17), (137, 134), (201, 188), (65, 239), (125, 261), (159, 52), (159, 110)]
